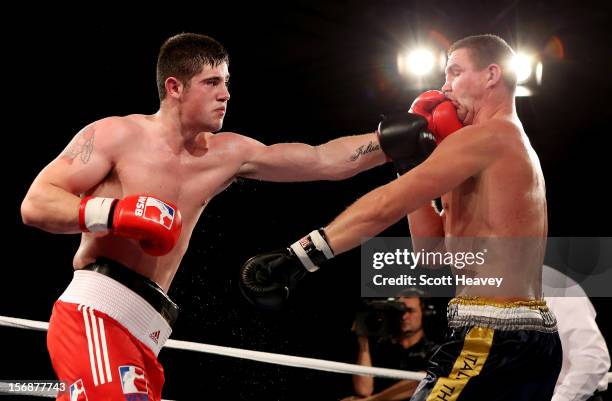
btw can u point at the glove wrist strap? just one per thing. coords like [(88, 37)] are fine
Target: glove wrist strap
[(312, 250), (95, 214)]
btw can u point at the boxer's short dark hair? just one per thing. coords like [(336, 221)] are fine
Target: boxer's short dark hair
[(184, 55), (489, 49)]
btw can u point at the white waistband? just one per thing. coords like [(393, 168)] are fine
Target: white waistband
[(502, 318), (108, 296)]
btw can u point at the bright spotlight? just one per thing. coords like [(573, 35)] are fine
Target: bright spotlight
[(522, 66), (421, 66), (523, 91), (420, 61), (539, 68)]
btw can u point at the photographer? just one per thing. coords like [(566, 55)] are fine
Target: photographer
[(399, 345)]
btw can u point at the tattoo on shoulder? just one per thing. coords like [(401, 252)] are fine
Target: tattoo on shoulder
[(364, 149), (82, 146)]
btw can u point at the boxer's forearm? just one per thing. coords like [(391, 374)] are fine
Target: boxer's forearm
[(426, 228), (349, 155), (51, 208), (363, 219), (379, 209), (426, 221), (335, 160)]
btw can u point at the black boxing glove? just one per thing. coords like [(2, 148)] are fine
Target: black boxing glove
[(405, 140), (267, 279)]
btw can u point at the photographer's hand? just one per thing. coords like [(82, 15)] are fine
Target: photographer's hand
[(363, 385)]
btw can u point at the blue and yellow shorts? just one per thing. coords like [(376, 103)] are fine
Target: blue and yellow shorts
[(494, 351)]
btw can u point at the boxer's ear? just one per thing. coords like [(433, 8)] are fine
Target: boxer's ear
[(494, 74), (174, 87)]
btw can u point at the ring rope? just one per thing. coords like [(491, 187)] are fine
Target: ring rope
[(266, 357)]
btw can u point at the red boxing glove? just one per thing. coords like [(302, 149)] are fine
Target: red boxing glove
[(445, 120), (426, 102), (441, 115), (155, 223)]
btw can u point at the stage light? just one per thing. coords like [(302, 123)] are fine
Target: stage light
[(538, 73), (522, 64), (417, 62)]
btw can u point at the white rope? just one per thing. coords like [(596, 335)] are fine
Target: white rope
[(295, 361), (23, 323), (266, 357)]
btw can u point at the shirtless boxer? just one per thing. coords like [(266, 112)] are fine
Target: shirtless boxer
[(136, 186), (501, 346)]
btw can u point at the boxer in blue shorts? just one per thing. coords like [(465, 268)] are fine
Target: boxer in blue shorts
[(502, 345)]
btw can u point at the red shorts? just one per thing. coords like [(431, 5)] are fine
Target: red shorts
[(99, 359)]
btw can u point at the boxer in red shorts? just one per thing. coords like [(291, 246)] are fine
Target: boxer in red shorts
[(135, 186)]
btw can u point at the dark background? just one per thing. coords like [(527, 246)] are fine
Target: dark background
[(308, 72)]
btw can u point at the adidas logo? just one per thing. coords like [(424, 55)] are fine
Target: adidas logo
[(155, 336)]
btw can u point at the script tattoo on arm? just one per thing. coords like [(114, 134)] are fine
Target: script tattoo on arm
[(364, 149)]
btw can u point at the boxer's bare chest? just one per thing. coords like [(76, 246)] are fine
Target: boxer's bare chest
[(187, 178)]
